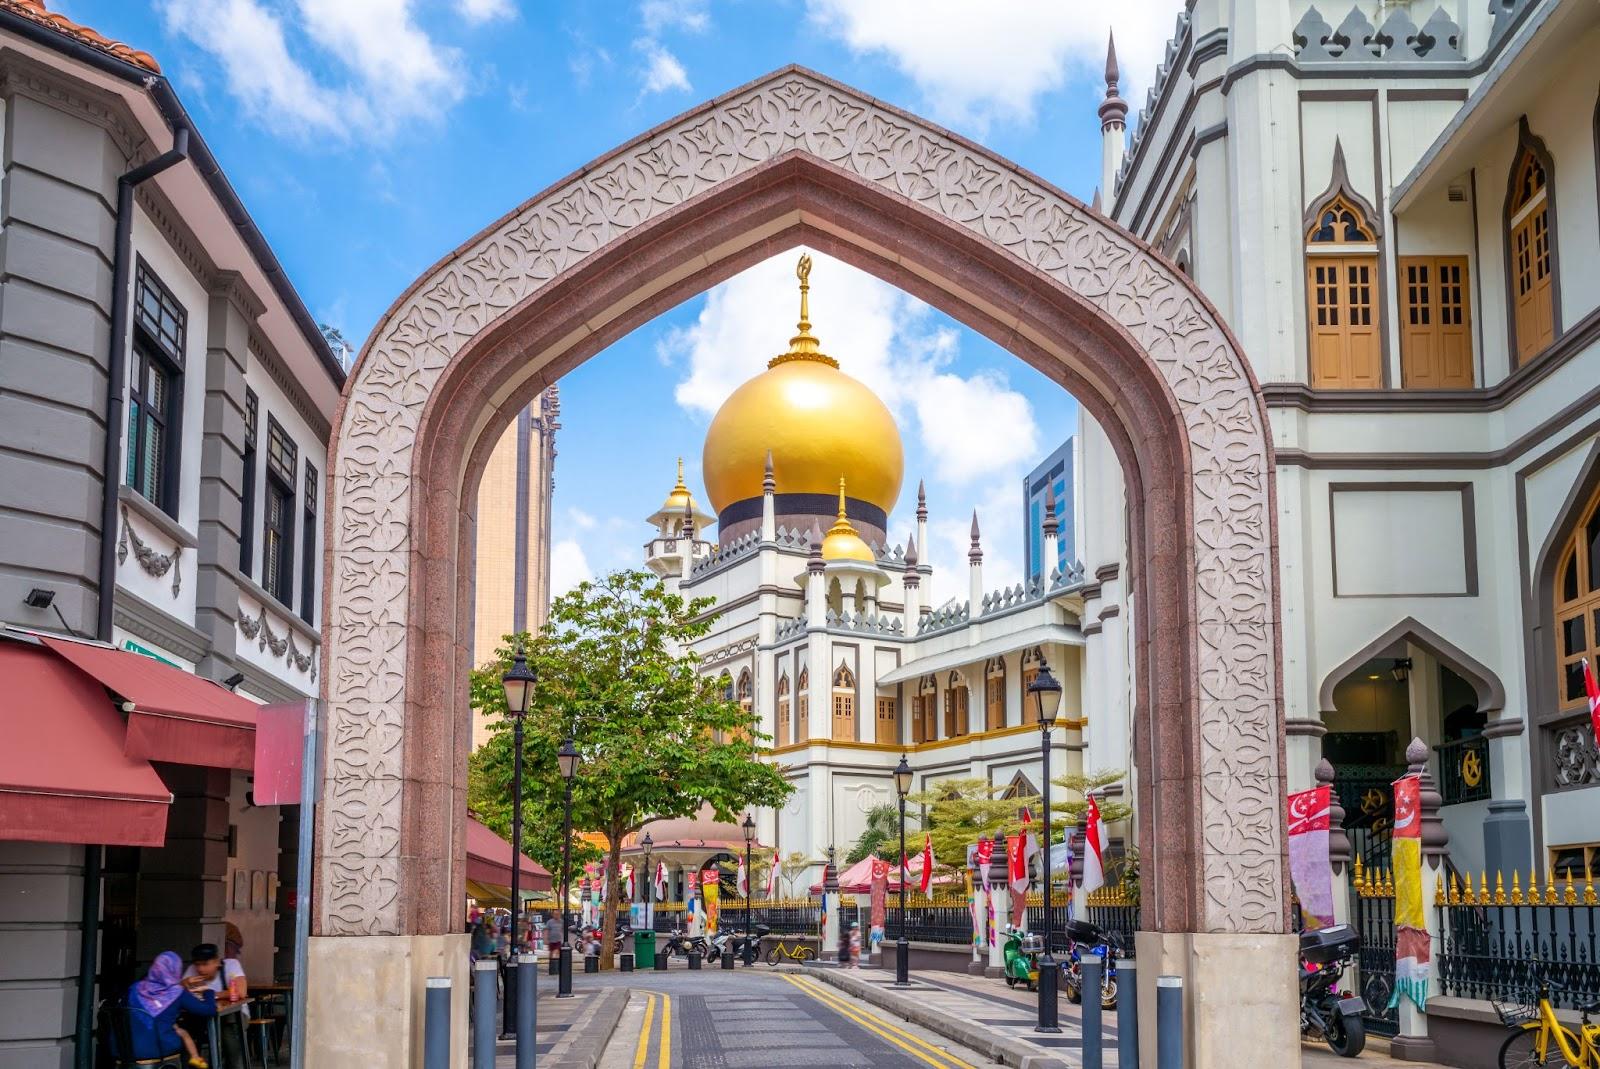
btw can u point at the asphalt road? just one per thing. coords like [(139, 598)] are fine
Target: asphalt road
[(755, 1018)]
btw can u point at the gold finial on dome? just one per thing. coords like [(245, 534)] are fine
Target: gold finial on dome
[(842, 542), (679, 498), (803, 346)]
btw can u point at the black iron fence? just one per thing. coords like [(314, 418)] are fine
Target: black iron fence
[(942, 920), (800, 916), (1498, 944), (1463, 770), (1372, 916)]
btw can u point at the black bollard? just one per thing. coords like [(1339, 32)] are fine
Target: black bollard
[(554, 954), (728, 956), (527, 1014), (625, 962), (661, 959), (1127, 1012), (694, 960), (436, 1024), (483, 996), (509, 974), (591, 963), (564, 977)]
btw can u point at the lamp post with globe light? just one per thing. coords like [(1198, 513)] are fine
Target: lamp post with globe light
[(567, 759), (902, 963), (749, 827), (519, 683), (1045, 693)]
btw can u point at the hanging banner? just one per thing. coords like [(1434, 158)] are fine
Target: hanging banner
[(711, 889), (979, 933), (1412, 947), (981, 858), (880, 897), (1308, 854)]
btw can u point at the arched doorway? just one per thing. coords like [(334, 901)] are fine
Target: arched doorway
[(795, 158)]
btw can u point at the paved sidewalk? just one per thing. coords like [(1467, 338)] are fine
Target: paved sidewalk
[(572, 1032)]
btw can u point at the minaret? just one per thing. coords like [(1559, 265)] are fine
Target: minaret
[(922, 514), (1113, 126), (769, 512), (687, 538), (816, 583), (975, 569), (1052, 545), (913, 587)]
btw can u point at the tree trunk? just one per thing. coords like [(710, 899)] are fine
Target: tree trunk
[(608, 916)]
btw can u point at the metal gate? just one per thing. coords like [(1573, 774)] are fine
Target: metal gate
[(1372, 916)]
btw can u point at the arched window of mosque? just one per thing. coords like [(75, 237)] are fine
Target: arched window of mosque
[(745, 689), (994, 694), (1577, 605), (1031, 660), (956, 720), (1342, 297), (1530, 243), (861, 596), (802, 706), (782, 735), (844, 704), (835, 597)]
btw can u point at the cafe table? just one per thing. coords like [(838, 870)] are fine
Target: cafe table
[(283, 992), (229, 1008)]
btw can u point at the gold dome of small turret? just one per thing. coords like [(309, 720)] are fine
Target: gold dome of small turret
[(679, 498), (841, 542), (816, 421)]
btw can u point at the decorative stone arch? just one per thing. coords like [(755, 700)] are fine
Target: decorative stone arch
[(1490, 691), (796, 158)]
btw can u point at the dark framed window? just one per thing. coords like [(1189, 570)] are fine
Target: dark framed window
[(155, 396), (247, 491), (277, 519), (308, 549)]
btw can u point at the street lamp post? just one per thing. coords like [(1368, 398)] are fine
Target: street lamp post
[(902, 963), (1045, 693), (749, 827), (518, 683), (567, 758)]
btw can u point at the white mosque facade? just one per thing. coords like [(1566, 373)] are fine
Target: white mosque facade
[(824, 626)]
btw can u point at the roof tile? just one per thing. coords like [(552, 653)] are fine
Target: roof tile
[(37, 12)]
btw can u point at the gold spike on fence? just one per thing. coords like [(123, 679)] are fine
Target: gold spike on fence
[(1461, 892), (1441, 897), (1516, 889)]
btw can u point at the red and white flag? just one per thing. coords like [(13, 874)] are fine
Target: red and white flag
[(1593, 687), (661, 880), (927, 864), (1094, 846), (628, 869), (744, 880), (772, 875), (984, 856)]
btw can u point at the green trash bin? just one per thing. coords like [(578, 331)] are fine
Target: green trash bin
[(644, 950)]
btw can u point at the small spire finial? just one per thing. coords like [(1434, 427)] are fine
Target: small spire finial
[(841, 497), (911, 553), (768, 482), (1113, 74), (679, 485), (922, 500), (804, 346), (1113, 109), (975, 553)]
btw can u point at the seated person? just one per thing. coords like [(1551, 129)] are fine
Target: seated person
[(153, 1007), (225, 976)]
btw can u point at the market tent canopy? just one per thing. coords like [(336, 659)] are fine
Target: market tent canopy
[(857, 879), (489, 862), (177, 717), (64, 777)]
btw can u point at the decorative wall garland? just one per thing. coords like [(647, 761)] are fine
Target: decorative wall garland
[(153, 564), (259, 630)]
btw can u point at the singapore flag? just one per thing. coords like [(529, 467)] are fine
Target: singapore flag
[(1094, 846)]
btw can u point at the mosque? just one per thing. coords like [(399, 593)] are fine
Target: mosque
[(823, 627)]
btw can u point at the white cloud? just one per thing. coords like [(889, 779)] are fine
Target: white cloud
[(580, 519), (978, 65), (569, 566), (879, 335), (476, 11), (661, 71), (691, 15), (382, 68)]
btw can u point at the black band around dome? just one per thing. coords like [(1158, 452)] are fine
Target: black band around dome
[(819, 505)]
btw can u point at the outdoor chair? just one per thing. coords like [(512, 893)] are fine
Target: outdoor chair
[(116, 1038)]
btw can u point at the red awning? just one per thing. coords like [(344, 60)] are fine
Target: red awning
[(489, 861), (176, 716), (64, 777)]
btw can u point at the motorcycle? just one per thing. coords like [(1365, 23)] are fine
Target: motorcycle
[(1325, 1010), (1086, 936), (681, 943), (735, 943), (1021, 951)]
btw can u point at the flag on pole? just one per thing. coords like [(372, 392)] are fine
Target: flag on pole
[(628, 869), (772, 875), (1016, 865), (661, 880), (927, 864), (744, 880), (1412, 946), (1593, 689), (985, 854), (1094, 847), (1308, 854)]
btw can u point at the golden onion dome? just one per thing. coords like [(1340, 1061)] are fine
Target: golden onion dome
[(817, 422), (841, 542)]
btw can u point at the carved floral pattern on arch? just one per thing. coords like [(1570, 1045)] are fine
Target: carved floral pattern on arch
[(797, 112)]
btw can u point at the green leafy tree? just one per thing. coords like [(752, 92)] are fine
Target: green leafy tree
[(1073, 809), (655, 738), (881, 836), (790, 869), (960, 811)]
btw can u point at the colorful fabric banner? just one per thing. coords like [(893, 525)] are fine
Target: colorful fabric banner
[(979, 932), (1308, 854), (744, 881), (927, 864), (880, 894), (982, 857), (711, 891), (1412, 949), (661, 881)]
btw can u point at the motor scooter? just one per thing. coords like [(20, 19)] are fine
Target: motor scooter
[(1086, 936), (1021, 951), (1326, 1011), (681, 943)]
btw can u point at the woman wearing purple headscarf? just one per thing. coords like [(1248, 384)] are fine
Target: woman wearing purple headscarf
[(154, 1004)]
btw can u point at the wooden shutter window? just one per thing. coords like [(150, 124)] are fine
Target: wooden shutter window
[(1532, 298), (1341, 281), (1435, 323), (888, 725)]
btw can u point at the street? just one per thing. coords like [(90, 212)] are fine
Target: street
[(757, 1018)]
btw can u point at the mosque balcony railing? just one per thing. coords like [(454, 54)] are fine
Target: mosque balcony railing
[(1034, 590), (788, 629), (740, 547), (869, 623), (944, 618)]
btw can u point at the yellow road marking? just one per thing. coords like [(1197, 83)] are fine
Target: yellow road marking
[(643, 1049), (664, 1061), (940, 1059)]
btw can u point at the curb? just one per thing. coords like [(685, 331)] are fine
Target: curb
[(585, 1042), (1014, 1052)]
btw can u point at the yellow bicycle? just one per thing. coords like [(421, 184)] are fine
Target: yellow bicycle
[(782, 951), (1541, 1040)]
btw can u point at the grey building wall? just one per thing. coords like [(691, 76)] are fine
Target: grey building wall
[(41, 888), (1058, 468)]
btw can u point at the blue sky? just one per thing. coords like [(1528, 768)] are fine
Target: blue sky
[(369, 137)]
